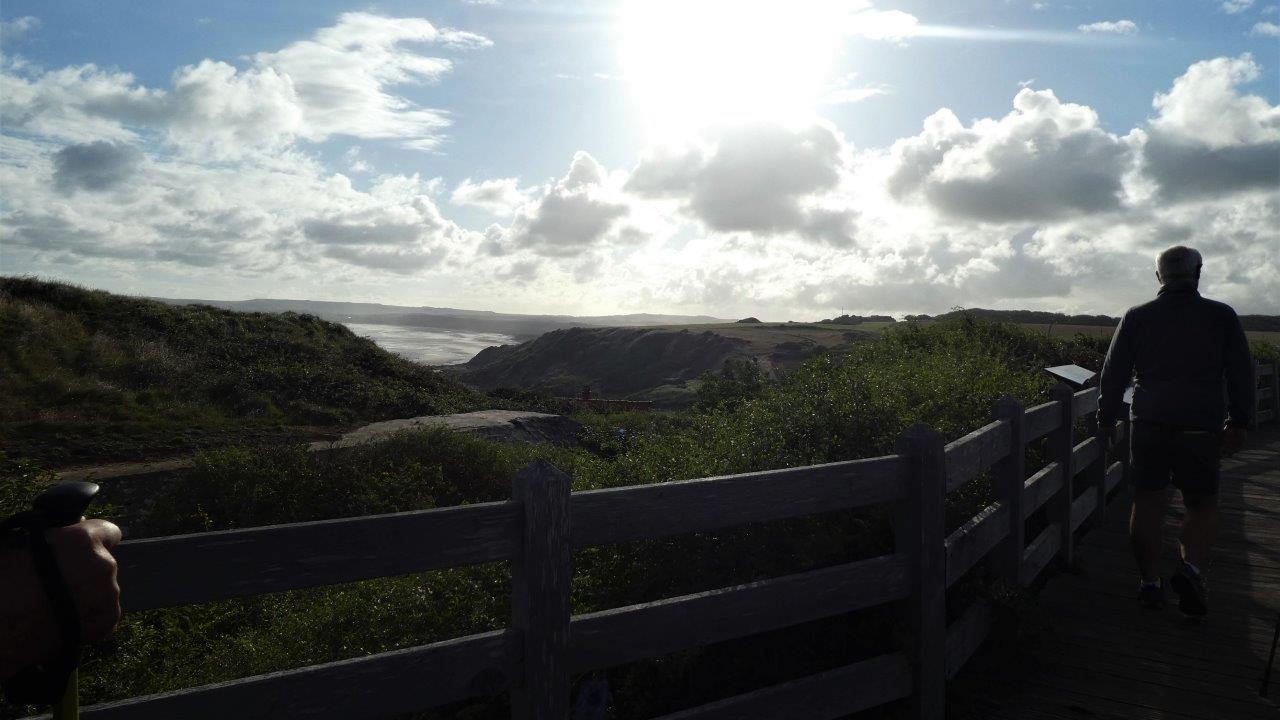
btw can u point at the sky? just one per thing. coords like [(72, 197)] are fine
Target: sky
[(787, 159)]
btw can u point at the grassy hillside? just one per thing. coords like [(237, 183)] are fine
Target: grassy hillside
[(87, 374), (659, 363)]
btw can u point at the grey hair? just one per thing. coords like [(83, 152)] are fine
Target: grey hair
[(1179, 263)]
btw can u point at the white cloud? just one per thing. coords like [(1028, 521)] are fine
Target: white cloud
[(356, 163), (337, 83), (847, 90), (11, 30), (865, 21), (755, 178), (573, 215), (501, 196), (1236, 6), (1209, 139), (1109, 27), (1045, 160), (1266, 29)]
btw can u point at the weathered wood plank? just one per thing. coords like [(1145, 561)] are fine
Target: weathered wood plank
[(1084, 453), (922, 521), (1083, 507), (975, 452), (1040, 487), (1263, 393), (1040, 552), (965, 635), (1096, 474), (1115, 473), (825, 696), (1262, 370), (391, 683), (1009, 478), (540, 593), (1039, 420), (972, 541), (1062, 450), (620, 635), (664, 509), (1084, 402), (186, 569)]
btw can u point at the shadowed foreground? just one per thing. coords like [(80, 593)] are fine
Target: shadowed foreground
[(1097, 654)]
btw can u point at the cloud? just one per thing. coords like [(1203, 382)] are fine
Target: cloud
[(12, 30), (1236, 6), (1109, 27), (749, 178), (95, 166), (336, 83), (847, 91), (1265, 29), (355, 163), (865, 21), (501, 196), (1045, 160), (1211, 140), (573, 214)]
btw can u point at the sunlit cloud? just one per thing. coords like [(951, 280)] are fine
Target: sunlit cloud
[(1110, 27), (1007, 35)]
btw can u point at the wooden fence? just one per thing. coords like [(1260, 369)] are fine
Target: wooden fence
[(544, 522)]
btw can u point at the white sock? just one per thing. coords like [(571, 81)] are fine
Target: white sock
[(1193, 567)]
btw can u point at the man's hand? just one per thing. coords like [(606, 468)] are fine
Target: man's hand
[(1107, 435), (1232, 440), (28, 631)]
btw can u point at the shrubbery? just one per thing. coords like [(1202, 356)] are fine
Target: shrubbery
[(80, 364)]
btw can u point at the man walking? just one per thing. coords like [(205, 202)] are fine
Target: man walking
[(1178, 349)]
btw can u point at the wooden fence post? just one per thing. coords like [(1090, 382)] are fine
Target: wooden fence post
[(919, 530), (540, 594), (1275, 392), (1098, 470), (1010, 475), (1061, 447)]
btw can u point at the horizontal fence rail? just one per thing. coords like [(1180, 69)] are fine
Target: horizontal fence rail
[(535, 531)]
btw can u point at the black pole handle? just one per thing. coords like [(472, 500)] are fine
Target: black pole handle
[(65, 503), (57, 506)]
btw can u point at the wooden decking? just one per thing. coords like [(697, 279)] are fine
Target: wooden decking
[(1093, 653)]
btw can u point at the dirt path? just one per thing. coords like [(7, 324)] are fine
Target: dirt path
[(502, 425)]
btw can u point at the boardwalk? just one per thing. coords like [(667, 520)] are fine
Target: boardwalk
[(1095, 654)]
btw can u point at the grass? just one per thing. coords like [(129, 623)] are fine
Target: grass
[(832, 408), (86, 374)]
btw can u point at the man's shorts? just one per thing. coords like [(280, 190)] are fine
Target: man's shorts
[(1160, 454)]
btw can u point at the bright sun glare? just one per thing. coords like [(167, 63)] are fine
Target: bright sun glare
[(692, 63)]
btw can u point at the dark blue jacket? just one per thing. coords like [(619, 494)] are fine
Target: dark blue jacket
[(1179, 348)]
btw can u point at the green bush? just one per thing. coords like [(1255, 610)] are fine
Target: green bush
[(77, 361)]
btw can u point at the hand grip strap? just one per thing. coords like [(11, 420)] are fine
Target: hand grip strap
[(43, 683)]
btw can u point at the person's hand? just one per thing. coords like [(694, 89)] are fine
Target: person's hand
[(1232, 440), (1107, 436), (28, 630)]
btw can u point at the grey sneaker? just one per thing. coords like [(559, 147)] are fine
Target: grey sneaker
[(1151, 596), (1190, 587)]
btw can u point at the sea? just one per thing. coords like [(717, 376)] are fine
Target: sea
[(432, 346)]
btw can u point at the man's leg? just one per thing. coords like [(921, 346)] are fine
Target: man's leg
[(1146, 530), (1199, 527)]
